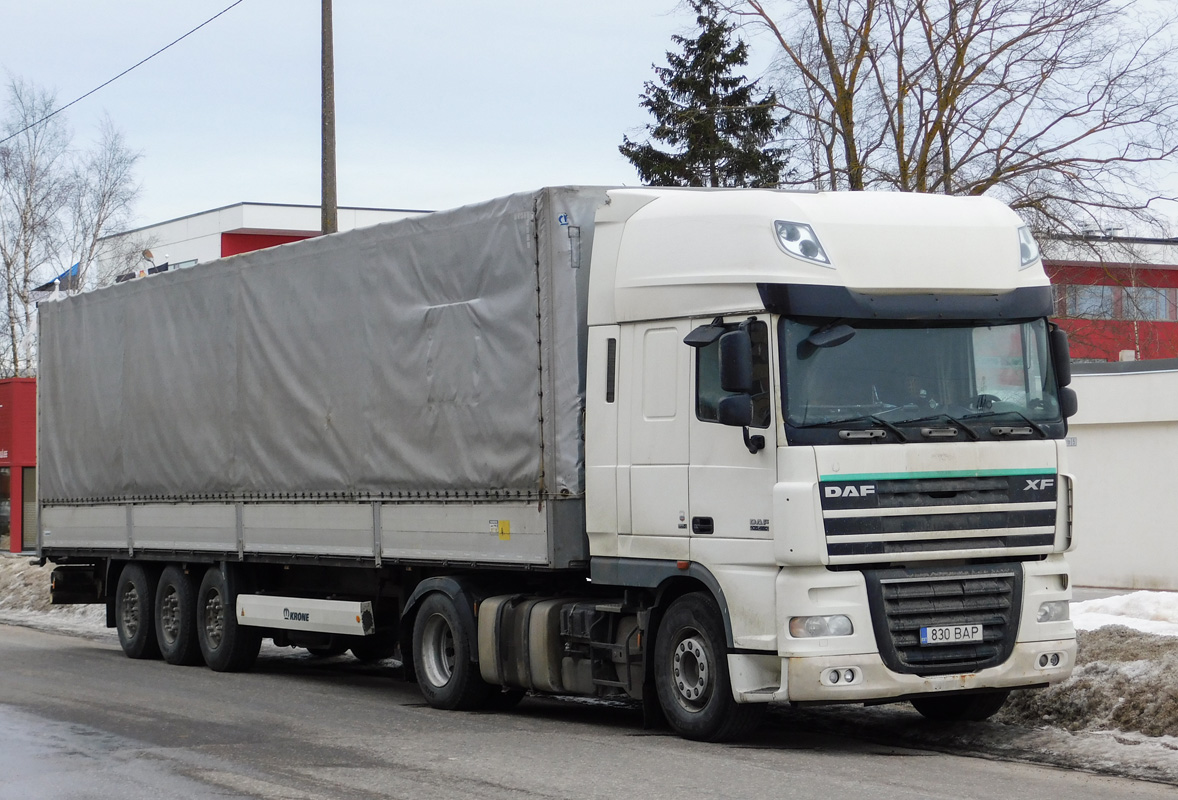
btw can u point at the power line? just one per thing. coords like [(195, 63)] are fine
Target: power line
[(52, 114)]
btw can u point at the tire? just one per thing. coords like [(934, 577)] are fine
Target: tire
[(376, 647), (175, 617), (135, 611), (442, 648), (691, 674), (961, 707), (225, 645)]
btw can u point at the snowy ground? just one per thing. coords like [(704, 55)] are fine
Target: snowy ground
[(1118, 713)]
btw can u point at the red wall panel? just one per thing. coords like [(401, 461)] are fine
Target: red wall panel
[(234, 243)]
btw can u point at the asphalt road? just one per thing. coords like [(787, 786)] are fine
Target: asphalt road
[(79, 721)]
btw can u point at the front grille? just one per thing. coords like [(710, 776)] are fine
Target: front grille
[(904, 600), (879, 519)]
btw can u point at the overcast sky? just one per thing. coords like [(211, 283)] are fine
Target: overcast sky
[(438, 104)]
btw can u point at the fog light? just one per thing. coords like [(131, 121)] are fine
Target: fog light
[(811, 627), (1043, 660), (1054, 611), (1055, 659), (841, 676)]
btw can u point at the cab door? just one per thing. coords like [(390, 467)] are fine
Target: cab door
[(656, 429), (732, 469)]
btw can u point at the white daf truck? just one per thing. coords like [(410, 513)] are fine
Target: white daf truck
[(708, 449)]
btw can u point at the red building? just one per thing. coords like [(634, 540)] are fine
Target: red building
[(18, 464), (1118, 298)]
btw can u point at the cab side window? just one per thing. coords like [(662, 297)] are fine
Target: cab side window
[(708, 393)]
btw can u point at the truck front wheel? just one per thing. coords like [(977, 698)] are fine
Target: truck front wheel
[(691, 674), (442, 647), (135, 612), (225, 645)]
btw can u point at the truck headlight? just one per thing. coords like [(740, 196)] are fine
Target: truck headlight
[(813, 627), (1054, 611)]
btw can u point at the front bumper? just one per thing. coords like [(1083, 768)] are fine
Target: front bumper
[(764, 678)]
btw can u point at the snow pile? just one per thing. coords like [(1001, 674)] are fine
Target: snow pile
[(24, 600), (1126, 675), (1124, 680), (1148, 612)]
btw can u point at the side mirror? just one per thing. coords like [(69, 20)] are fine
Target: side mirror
[(831, 336), (735, 410), (1069, 404), (736, 362), (1061, 356)]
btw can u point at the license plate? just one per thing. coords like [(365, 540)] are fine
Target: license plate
[(950, 634)]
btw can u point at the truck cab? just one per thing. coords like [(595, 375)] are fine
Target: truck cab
[(841, 419)]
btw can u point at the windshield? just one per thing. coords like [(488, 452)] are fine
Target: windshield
[(891, 373)]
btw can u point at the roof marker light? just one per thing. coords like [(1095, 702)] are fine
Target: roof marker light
[(799, 240)]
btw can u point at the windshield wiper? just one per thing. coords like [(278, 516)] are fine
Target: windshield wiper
[(1010, 412), (970, 432), (883, 423)]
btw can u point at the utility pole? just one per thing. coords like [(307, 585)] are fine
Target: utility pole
[(329, 210)]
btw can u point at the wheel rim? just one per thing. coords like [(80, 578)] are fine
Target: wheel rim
[(437, 644), (691, 672), (170, 615), (129, 612), (214, 619)]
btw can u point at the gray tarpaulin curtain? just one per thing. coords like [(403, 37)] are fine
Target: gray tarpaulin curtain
[(443, 353)]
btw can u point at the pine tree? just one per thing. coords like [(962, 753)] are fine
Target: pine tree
[(718, 127)]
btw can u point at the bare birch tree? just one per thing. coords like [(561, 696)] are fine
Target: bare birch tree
[(1065, 109), (56, 203)]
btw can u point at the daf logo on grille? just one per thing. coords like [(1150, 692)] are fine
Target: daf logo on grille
[(849, 491), (1038, 485)]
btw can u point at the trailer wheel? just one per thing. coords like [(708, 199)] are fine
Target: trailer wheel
[(961, 707), (376, 647), (175, 617), (135, 612), (225, 645), (442, 647), (691, 674)]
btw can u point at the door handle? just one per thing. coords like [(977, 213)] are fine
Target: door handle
[(702, 525)]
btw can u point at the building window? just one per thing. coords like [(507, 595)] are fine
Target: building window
[(1091, 302), (1144, 303)]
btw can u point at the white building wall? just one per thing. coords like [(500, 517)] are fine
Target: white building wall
[(197, 237), (1123, 450)]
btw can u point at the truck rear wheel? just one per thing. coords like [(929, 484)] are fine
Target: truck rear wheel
[(135, 611), (961, 707), (691, 674), (225, 645), (442, 647), (175, 617)]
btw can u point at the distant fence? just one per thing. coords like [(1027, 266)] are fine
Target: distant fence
[(1123, 450)]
